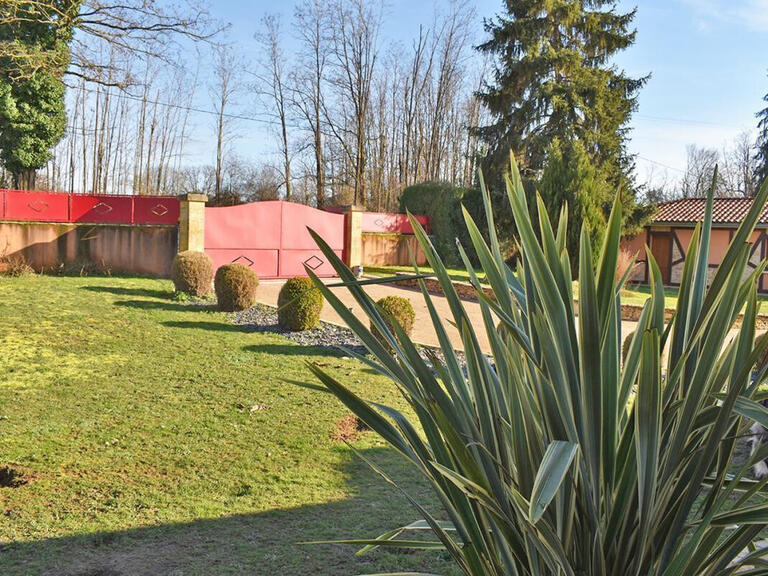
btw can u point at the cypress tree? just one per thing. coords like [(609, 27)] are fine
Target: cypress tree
[(570, 176), (554, 80), (761, 170)]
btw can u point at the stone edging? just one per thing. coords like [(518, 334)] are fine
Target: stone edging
[(466, 291)]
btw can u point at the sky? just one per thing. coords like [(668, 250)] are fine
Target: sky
[(708, 61)]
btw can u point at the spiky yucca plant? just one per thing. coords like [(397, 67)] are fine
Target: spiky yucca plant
[(548, 455)]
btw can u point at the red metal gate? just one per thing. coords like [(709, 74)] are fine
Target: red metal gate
[(272, 237)]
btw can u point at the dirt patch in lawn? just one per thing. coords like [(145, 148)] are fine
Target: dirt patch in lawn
[(348, 429)]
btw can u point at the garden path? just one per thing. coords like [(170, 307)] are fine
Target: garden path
[(423, 332)]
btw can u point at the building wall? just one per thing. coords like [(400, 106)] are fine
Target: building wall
[(720, 239), (135, 249)]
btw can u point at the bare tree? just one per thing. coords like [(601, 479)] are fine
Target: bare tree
[(355, 51), (104, 36), (699, 171), (223, 90), (311, 24), (272, 83), (738, 166)]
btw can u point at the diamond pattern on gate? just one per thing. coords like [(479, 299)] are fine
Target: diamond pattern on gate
[(38, 206), (243, 260), (102, 208), (160, 210), (313, 263)]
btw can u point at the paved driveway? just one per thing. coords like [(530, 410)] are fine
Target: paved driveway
[(423, 332)]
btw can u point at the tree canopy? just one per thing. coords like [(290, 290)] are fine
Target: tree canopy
[(554, 80), (761, 170)]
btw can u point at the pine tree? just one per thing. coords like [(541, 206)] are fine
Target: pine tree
[(554, 79), (761, 170)]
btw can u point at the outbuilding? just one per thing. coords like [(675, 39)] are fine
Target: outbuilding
[(670, 231)]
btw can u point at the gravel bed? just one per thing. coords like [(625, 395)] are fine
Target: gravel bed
[(262, 318)]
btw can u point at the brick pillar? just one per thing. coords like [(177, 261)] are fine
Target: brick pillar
[(353, 235), (192, 222)]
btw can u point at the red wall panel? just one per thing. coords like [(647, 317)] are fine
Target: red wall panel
[(36, 206), (101, 209), (383, 222), (155, 210)]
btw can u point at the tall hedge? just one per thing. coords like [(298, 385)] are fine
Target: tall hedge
[(441, 202)]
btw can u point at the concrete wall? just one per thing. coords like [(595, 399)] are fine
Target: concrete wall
[(391, 250), (138, 249)]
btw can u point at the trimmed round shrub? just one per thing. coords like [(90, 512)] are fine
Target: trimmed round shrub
[(299, 305), (192, 272), (761, 362), (626, 345), (235, 286), (398, 308)]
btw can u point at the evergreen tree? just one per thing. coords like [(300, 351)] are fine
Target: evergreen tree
[(761, 170), (554, 79), (32, 111), (569, 176), (32, 121)]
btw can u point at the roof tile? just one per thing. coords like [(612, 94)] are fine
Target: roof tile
[(724, 211)]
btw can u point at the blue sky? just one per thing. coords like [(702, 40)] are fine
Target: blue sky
[(708, 60)]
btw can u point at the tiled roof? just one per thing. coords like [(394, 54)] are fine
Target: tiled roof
[(724, 211)]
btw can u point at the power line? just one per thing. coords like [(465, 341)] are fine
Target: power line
[(661, 164), (127, 96)]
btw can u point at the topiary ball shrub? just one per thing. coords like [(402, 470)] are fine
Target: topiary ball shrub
[(192, 272), (398, 308), (625, 346), (235, 286), (299, 305)]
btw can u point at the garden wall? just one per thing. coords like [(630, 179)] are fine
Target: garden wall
[(391, 250), (139, 249)]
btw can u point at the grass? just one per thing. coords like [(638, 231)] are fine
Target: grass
[(153, 437)]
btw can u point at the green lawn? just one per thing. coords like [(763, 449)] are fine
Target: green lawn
[(129, 416)]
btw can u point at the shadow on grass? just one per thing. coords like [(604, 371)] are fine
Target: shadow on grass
[(307, 385), (123, 291), (164, 305), (294, 350), (208, 326), (266, 542)]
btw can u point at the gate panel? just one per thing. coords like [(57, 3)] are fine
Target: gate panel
[(292, 263), (272, 237), (297, 218), (252, 226), (298, 247), (263, 262)]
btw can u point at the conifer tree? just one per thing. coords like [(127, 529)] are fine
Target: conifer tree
[(569, 176), (761, 170), (554, 79)]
